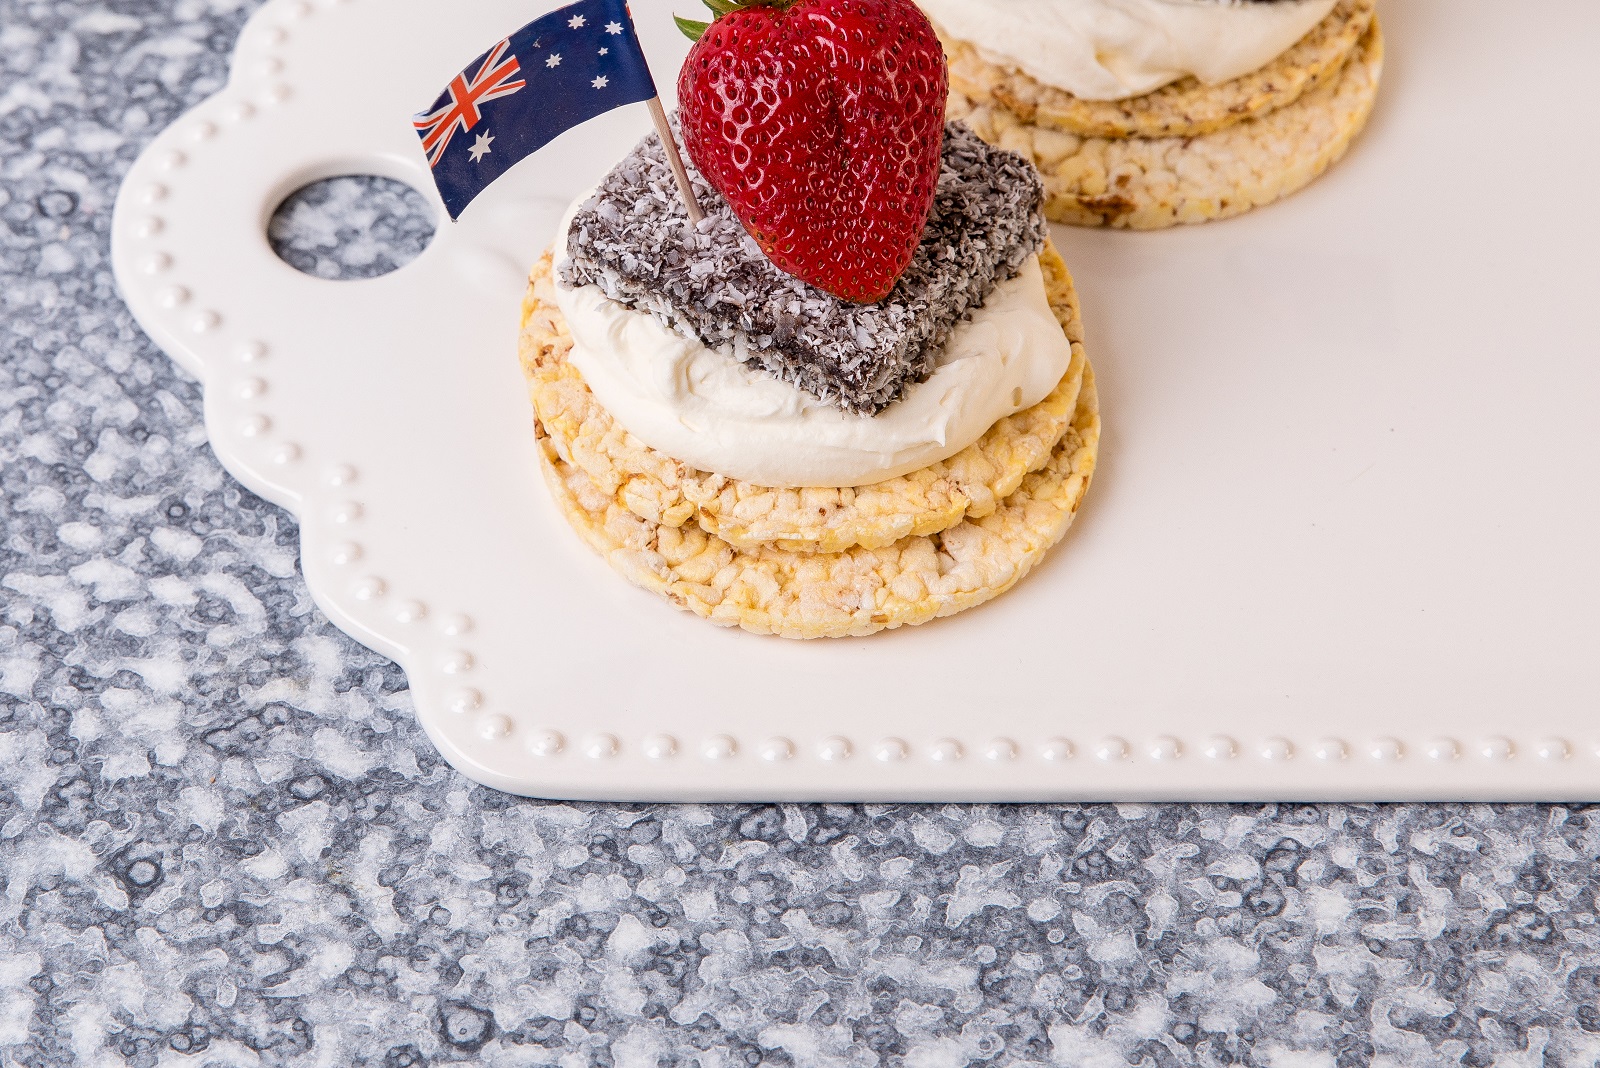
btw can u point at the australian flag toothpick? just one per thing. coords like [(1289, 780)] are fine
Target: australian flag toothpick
[(559, 70)]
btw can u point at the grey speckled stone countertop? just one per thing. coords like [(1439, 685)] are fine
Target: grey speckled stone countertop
[(224, 840)]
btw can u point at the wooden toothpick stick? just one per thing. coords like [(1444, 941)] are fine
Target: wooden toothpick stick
[(670, 143)]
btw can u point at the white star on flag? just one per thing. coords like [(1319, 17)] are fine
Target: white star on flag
[(600, 82), (554, 60), (605, 51), (480, 147), (576, 22), (613, 27)]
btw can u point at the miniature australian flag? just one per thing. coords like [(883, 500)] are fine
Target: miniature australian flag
[(559, 70)]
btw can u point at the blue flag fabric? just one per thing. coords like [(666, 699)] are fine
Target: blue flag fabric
[(559, 70)]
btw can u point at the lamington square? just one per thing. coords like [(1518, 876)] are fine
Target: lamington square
[(711, 281)]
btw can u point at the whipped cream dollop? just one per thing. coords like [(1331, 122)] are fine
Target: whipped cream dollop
[(703, 407), (1115, 49)]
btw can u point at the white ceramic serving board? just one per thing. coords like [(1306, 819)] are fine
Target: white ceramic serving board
[(1344, 541)]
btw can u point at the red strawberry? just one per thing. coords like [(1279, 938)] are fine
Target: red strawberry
[(821, 122)]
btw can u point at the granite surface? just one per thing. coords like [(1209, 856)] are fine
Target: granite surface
[(224, 840)]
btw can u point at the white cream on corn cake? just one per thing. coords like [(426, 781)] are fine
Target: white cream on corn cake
[(1117, 49), (712, 411)]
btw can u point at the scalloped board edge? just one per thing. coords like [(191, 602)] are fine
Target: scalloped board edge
[(400, 438)]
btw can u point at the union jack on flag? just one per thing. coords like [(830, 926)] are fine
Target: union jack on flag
[(496, 78), (559, 70)]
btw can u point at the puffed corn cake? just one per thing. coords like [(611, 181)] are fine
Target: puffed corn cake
[(770, 590), (653, 486), (1185, 153)]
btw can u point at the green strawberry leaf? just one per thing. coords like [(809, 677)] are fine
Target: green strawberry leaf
[(722, 7), (691, 29)]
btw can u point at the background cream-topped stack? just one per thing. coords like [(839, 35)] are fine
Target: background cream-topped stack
[(1185, 152)]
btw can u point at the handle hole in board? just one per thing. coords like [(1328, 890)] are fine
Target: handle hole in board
[(351, 226)]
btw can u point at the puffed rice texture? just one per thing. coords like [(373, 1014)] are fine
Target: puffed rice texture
[(769, 590)]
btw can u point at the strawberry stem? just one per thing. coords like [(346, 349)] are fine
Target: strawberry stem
[(693, 29)]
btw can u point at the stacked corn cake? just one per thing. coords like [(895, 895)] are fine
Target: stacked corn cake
[(1187, 152), (812, 562)]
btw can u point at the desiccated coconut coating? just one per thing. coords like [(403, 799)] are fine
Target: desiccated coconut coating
[(859, 591), (1185, 108), (656, 487), (712, 282), (1150, 183)]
